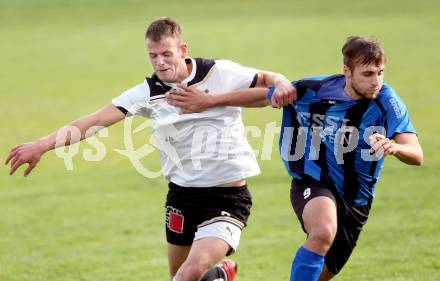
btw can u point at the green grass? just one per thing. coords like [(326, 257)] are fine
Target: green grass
[(104, 221)]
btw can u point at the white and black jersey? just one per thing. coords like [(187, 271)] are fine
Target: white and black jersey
[(198, 149)]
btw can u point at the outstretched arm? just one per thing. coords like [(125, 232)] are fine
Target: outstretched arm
[(406, 147), (191, 100), (284, 93), (32, 152)]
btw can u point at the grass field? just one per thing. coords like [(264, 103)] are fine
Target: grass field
[(103, 221)]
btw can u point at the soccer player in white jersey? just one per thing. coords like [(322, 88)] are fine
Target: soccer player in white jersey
[(208, 202)]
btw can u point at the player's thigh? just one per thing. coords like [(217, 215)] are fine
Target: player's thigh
[(176, 257), (314, 204), (320, 214)]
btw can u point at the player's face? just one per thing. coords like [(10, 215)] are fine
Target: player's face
[(365, 80), (167, 57)]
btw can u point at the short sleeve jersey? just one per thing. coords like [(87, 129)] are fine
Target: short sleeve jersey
[(325, 135), (198, 149)]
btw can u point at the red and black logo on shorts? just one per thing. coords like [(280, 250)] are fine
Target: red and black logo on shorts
[(174, 219)]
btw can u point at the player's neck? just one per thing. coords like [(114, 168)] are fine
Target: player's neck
[(350, 92), (185, 70)]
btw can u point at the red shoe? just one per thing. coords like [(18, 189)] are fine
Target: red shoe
[(230, 268)]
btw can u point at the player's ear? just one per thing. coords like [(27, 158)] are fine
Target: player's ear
[(183, 50)]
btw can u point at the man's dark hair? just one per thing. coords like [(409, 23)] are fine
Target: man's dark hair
[(163, 27), (362, 50)]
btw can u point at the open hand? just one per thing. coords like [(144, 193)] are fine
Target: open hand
[(30, 153), (189, 99)]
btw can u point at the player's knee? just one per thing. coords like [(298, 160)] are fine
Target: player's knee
[(322, 237), (192, 271)]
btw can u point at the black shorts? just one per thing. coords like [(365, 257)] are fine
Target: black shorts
[(350, 219), (188, 207)]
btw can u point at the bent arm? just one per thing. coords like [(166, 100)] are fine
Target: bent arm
[(408, 149), (32, 152)]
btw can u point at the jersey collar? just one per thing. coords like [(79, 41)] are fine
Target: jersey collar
[(190, 77)]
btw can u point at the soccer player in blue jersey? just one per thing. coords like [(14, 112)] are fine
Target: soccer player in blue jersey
[(335, 132)]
